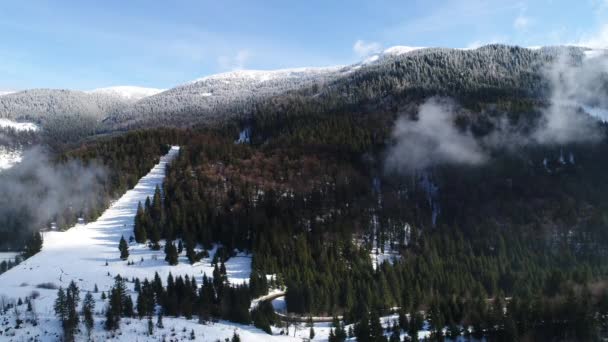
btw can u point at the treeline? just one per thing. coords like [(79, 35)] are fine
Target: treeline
[(215, 298)]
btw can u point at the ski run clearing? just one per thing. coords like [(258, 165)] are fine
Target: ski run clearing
[(80, 254)]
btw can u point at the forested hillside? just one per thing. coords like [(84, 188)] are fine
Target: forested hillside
[(315, 207)]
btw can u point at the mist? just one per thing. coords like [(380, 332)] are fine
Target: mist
[(578, 89), (37, 189), (432, 139)]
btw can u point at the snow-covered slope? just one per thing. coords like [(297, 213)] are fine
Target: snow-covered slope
[(48, 104), (232, 92), (127, 92)]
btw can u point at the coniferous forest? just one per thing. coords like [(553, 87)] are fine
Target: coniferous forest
[(527, 263)]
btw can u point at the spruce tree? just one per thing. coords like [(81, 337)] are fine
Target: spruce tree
[(171, 253), (139, 228), (88, 308), (150, 326), (33, 244), (123, 248), (60, 306)]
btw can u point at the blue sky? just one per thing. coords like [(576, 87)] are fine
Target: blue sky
[(85, 44)]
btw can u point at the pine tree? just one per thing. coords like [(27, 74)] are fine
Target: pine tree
[(150, 326), (235, 337), (60, 306), (139, 228), (171, 253), (376, 330), (362, 328), (123, 248), (33, 244), (118, 305), (88, 307)]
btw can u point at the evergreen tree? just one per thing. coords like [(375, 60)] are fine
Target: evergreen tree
[(150, 326), (139, 228), (123, 248), (88, 308), (362, 329), (61, 310), (33, 244), (171, 253)]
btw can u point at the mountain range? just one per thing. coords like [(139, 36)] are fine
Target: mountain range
[(392, 77)]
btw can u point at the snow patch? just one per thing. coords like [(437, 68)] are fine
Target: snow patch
[(9, 157), (266, 75), (18, 126), (401, 49), (127, 92)]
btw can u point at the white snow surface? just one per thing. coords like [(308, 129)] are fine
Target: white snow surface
[(390, 52), (266, 75), (128, 92), (18, 126), (401, 49), (9, 157), (6, 92)]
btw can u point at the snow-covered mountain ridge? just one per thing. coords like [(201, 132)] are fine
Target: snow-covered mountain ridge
[(237, 93)]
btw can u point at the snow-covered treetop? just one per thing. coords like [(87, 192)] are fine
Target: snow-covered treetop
[(127, 92)]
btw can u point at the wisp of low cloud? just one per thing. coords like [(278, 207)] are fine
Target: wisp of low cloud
[(38, 189), (578, 98), (432, 139)]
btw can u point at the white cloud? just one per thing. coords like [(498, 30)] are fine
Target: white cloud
[(521, 22), (236, 62), (597, 40), (363, 48)]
